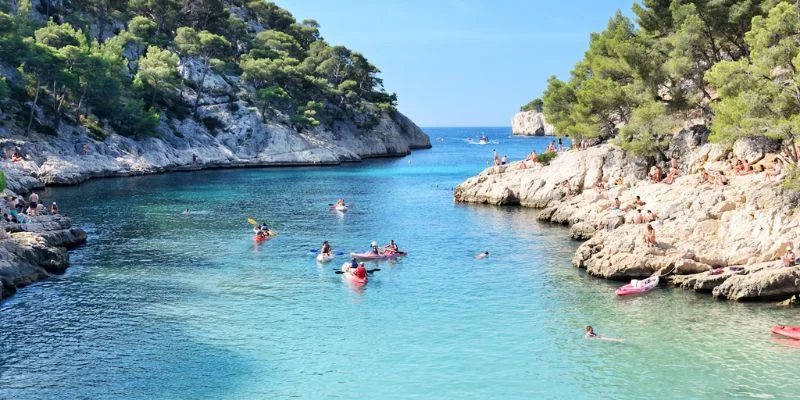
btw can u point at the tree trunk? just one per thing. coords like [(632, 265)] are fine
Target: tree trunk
[(200, 87), (80, 102), (33, 107)]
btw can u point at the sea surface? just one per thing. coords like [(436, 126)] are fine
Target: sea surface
[(160, 305)]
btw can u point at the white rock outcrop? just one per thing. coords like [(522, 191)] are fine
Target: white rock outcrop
[(531, 123)]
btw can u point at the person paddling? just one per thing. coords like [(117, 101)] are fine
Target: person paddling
[(326, 248), (374, 246), (391, 248)]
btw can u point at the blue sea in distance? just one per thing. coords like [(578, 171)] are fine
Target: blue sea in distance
[(160, 305)]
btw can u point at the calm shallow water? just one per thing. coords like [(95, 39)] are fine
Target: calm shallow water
[(162, 305)]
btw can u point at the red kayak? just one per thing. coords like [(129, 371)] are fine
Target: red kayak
[(370, 256), (637, 287), (356, 280), (788, 331)]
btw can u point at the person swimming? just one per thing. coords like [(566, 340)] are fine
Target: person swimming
[(589, 333), (481, 256), (185, 212)]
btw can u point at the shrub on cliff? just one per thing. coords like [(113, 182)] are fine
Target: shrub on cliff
[(546, 157), (2, 181)]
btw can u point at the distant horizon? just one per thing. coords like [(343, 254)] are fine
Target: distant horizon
[(463, 65)]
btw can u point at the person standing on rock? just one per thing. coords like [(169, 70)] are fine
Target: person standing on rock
[(34, 203), (650, 236), (54, 209)]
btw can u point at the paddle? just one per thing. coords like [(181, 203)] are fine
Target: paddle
[(369, 271), (253, 222), (337, 253)]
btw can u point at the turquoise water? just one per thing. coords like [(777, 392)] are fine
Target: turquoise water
[(162, 305)]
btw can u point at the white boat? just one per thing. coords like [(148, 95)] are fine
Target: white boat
[(483, 140), (322, 258)]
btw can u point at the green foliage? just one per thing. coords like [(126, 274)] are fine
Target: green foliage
[(761, 97), (650, 73), (158, 72), (272, 98), (534, 105), (649, 130), (136, 121), (5, 92), (2, 181), (546, 157), (79, 63)]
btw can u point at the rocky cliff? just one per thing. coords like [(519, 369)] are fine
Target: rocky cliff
[(35, 250), (723, 239), (531, 123)]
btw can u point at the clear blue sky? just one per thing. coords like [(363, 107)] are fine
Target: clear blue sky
[(463, 63)]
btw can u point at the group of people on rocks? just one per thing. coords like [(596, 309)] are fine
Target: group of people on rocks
[(17, 211), (657, 175)]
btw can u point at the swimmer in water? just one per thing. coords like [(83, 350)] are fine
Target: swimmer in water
[(481, 256)]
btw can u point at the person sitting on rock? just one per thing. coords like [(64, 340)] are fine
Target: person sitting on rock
[(599, 185), (649, 236), (15, 158), (719, 178), (617, 204), (638, 218), (776, 172), (638, 203), (650, 216), (552, 147), (504, 160), (657, 175), (532, 157), (789, 258), (674, 171), (703, 176), (743, 167)]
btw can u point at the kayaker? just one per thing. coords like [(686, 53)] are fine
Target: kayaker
[(360, 272), (326, 248), (374, 246), (353, 263), (265, 229), (391, 247), (340, 202), (481, 256), (261, 235)]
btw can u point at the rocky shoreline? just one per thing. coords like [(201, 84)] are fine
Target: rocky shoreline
[(726, 240)]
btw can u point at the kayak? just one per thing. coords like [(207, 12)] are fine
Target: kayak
[(370, 256), (323, 258), (355, 280), (788, 331), (638, 287), (259, 239)]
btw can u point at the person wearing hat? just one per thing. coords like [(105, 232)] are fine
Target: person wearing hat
[(789, 257), (53, 209), (374, 245)]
